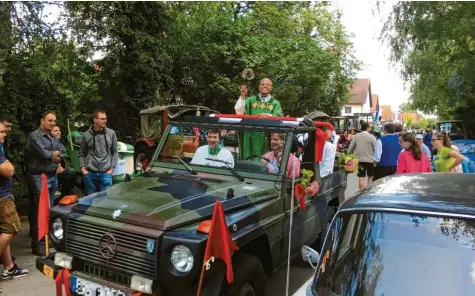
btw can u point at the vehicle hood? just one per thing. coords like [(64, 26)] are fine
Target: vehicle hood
[(167, 200)]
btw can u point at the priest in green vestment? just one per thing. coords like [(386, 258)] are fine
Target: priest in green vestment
[(257, 143)]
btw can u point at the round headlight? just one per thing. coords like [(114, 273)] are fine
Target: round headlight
[(182, 258), (57, 230)]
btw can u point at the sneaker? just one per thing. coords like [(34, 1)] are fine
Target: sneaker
[(13, 273)]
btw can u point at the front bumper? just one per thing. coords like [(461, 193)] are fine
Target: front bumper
[(46, 266)]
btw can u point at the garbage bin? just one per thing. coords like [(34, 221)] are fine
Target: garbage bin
[(125, 163)]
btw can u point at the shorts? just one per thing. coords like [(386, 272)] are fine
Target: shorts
[(365, 169), (9, 220)]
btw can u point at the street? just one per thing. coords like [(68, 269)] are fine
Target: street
[(37, 284)]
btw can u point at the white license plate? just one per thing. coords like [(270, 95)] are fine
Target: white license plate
[(85, 287)]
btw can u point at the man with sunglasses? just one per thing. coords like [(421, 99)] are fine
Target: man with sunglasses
[(98, 155)]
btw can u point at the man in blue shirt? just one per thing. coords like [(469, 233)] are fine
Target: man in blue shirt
[(9, 221), (428, 140), (387, 153), (424, 148), (7, 122)]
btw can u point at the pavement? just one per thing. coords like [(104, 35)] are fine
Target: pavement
[(37, 284)]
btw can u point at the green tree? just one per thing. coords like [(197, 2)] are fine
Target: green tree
[(406, 107), (434, 42), (132, 37), (408, 121), (302, 47), (5, 37), (431, 122), (422, 123)]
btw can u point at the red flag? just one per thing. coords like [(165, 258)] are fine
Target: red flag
[(299, 191), (63, 277), (320, 139), (43, 209), (220, 243)]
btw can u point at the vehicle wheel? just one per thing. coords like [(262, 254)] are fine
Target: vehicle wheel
[(143, 156), (249, 276)]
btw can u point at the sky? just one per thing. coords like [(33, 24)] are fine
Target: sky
[(385, 80)]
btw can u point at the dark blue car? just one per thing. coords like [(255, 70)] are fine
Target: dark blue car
[(466, 147), (403, 235)]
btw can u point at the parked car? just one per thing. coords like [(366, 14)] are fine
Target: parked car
[(403, 235), (149, 234), (466, 147)]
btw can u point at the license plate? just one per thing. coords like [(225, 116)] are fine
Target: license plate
[(85, 287), (48, 271)]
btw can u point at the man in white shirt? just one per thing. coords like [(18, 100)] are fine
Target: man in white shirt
[(328, 158), (213, 151)]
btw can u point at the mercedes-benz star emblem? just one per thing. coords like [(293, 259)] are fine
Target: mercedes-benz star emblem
[(108, 246)]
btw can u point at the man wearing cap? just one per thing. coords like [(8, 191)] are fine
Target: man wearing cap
[(424, 148)]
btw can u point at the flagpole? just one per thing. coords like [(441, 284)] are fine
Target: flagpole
[(290, 228), (198, 293), (47, 244)]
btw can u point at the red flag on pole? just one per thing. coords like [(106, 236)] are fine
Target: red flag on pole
[(219, 244), (43, 209)]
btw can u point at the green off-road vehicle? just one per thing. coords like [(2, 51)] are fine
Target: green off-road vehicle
[(143, 235)]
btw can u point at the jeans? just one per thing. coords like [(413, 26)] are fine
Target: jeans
[(96, 182), (34, 189)]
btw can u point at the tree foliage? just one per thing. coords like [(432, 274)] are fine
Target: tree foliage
[(435, 43), (74, 57)]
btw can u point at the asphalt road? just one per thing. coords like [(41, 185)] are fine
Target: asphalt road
[(37, 284)]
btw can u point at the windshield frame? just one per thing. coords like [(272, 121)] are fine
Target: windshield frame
[(385, 210), (279, 177)]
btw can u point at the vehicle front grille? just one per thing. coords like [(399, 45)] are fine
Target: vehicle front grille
[(132, 257), (105, 274)]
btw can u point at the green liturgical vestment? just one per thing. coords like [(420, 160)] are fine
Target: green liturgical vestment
[(257, 143)]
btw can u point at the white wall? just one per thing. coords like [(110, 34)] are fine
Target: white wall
[(354, 109), (366, 106), (358, 108)]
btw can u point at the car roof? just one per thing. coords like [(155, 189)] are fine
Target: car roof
[(449, 193), (471, 141), (232, 120)]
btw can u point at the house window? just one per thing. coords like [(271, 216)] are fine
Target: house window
[(347, 110)]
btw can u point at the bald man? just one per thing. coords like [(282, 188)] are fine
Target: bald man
[(263, 103), (256, 143)]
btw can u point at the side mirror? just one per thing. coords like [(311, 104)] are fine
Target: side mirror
[(310, 256)]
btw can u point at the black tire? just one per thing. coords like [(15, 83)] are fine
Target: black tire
[(249, 277), (143, 151)]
